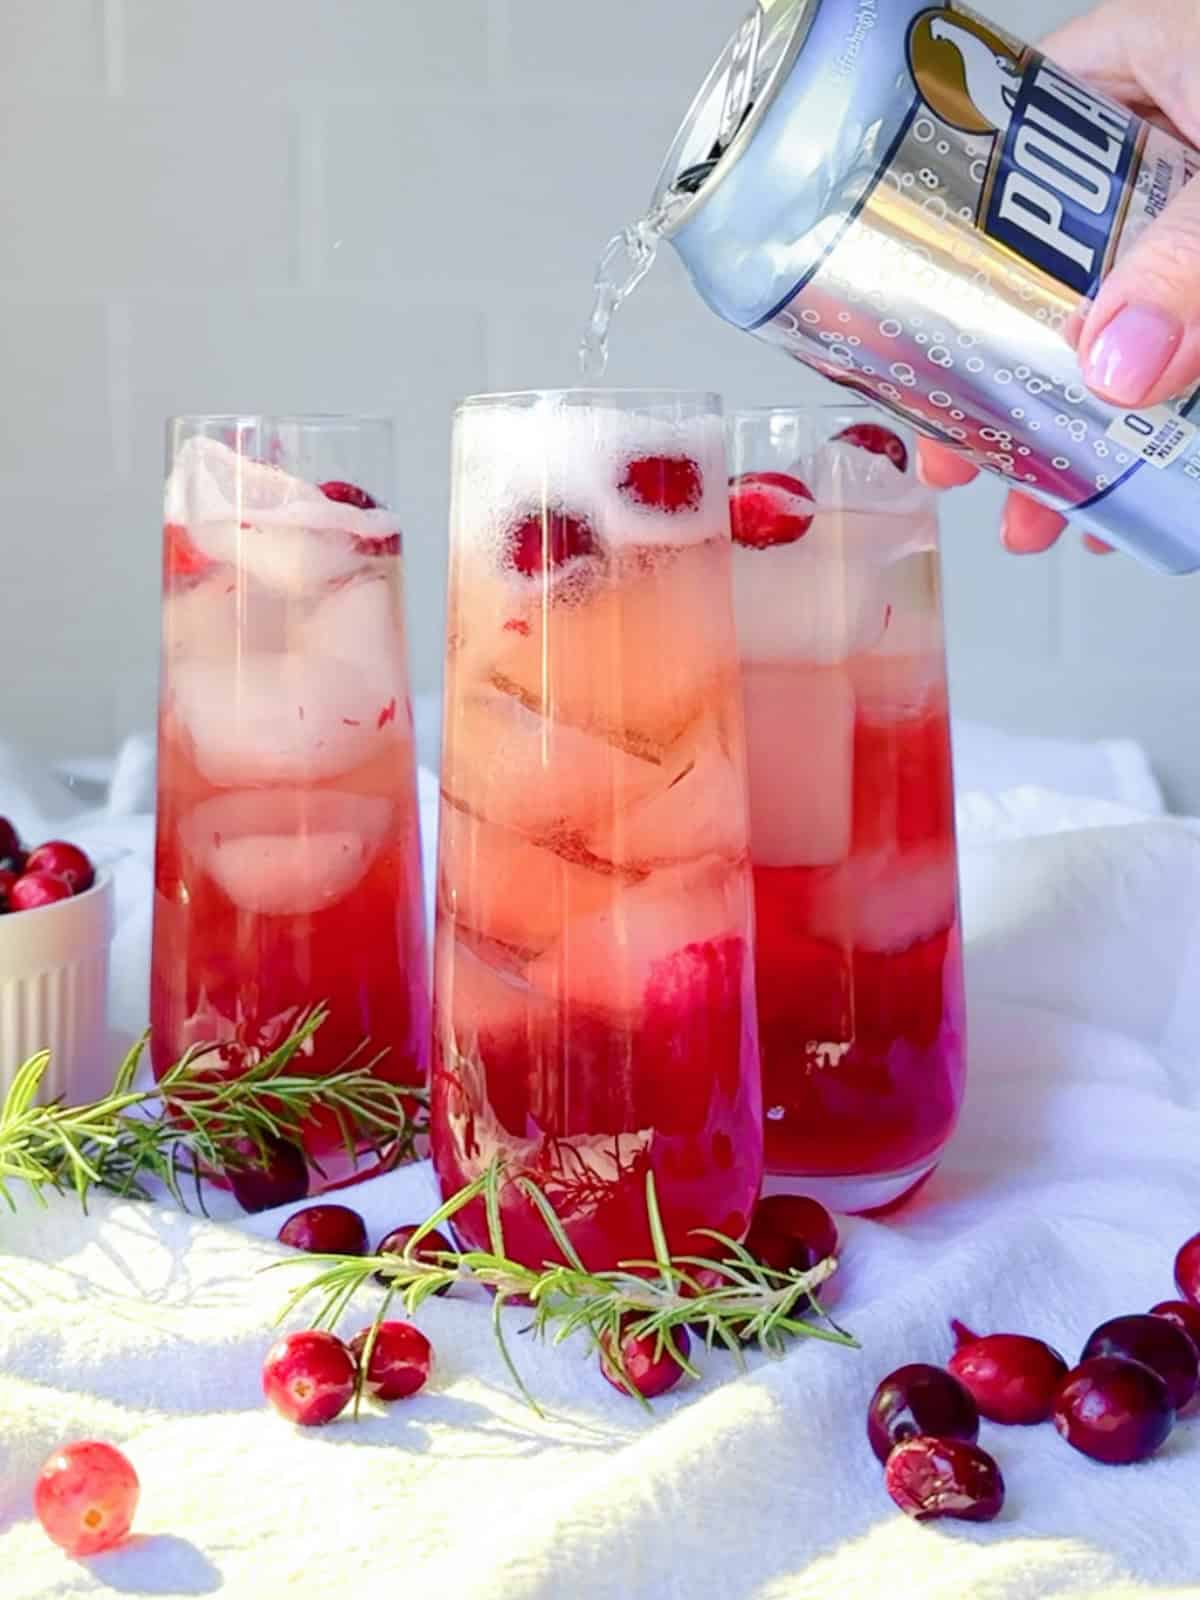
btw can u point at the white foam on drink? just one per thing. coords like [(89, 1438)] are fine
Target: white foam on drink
[(225, 499), (522, 460)]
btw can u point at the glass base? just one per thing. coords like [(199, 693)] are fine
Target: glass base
[(849, 1193)]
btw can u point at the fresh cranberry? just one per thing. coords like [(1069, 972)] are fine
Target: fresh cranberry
[(1157, 1344), (7, 879), (929, 1477), (182, 558), (791, 1233), (767, 508), (10, 842), (65, 861), (35, 889), (919, 1399), (309, 1377), (348, 494), (85, 1497), (1183, 1314), (326, 1231), (276, 1175), (401, 1357), (542, 541), (649, 1365), (667, 483), (1011, 1377), (1114, 1410), (1187, 1270), (431, 1245), (878, 440)]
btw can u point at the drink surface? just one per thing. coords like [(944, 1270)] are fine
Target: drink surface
[(594, 1011), (914, 203), (852, 817), (287, 869)]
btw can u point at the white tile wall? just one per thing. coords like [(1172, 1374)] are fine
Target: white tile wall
[(385, 204)]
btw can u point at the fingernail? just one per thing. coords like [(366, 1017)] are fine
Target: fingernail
[(1132, 353)]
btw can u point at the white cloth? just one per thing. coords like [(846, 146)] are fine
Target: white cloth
[(1071, 1181)]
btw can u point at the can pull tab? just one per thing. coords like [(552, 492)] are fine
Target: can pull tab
[(739, 85)]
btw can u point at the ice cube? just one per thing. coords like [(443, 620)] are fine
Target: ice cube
[(808, 601), (699, 812), (220, 615), (271, 718), (885, 901), (800, 743), (287, 852), (360, 623)]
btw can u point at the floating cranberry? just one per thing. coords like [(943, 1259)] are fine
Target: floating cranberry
[(65, 861), (348, 494), (85, 1497), (544, 540), (401, 1358), (1157, 1344), (1114, 1410), (10, 843), (35, 889), (1011, 1377), (309, 1377), (767, 508), (791, 1233), (650, 1366), (929, 1477), (276, 1175), (182, 557), (1183, 1314), (666, 483), (919, 1399), (432, 1244), (879, 441), (326, 1231), (1187, 1270)]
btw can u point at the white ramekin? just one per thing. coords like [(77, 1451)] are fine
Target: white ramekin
[(54, 992)]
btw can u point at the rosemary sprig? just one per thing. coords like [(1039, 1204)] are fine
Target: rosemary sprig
[(752, 1305), (195, 1118)]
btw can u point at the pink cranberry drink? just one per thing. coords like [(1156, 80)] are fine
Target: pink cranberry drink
[(860, 997), (594, 1009), (288, 866)]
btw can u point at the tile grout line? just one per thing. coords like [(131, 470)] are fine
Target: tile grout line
[(112, 20)]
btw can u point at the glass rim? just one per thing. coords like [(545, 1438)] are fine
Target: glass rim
[(816, 408), (701, 399), (302, 419)]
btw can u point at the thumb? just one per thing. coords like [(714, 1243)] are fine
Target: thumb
[(1141, 341)]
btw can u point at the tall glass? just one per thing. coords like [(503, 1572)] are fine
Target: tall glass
[(288, 866), (860, 994), (593, 995)]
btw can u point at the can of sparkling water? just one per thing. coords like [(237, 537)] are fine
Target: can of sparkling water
[(914, 202)]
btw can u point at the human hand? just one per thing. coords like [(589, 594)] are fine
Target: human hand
[(1139, 340)]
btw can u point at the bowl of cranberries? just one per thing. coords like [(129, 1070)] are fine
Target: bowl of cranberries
[(56, 924)]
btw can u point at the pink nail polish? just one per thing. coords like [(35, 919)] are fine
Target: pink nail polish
[(1132, 353)]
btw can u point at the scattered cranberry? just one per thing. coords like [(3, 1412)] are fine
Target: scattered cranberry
[(348, 494), (1187, 1270), (326, 1231), (929, 1477), (276, 1175), (10, 843), (7, 879), (1183, 1314), (85, 1497), (649, 1365), (1114, 1410), (1157, 1344), (791, 1233), (919, 1399), (431, 1245), (767, 508), (36, 889), (1010, 1377), (879, 441), (542, 541), (667, 483), (65, 861), (401, 1357), (182, 557), (309, 1377)]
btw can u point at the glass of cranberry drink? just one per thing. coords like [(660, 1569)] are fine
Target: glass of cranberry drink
[(287, 870), (838, 607), (594, 1015)]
